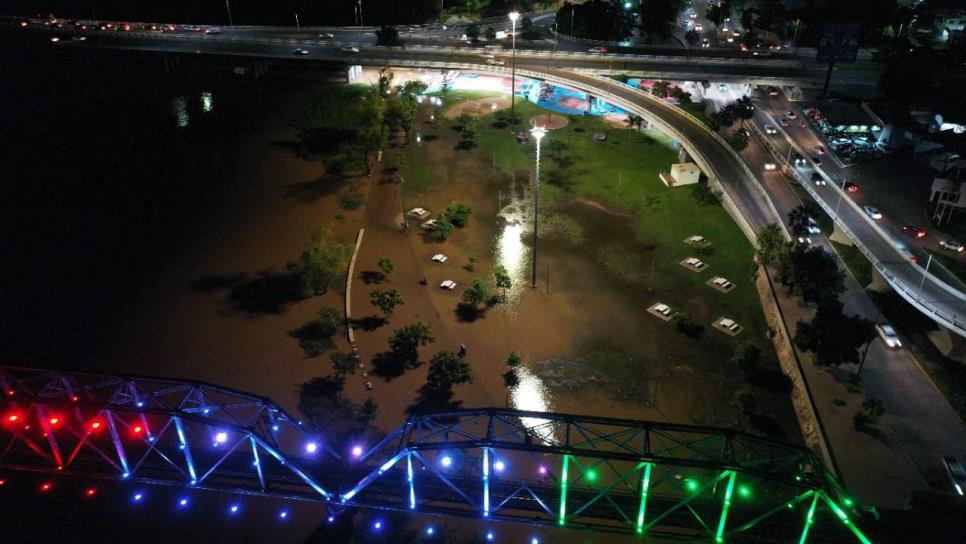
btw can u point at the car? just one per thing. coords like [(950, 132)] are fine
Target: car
[(214, 30), (951, 245), (791, 115), (955, 473), (79, 38), (597, 50), (418, 213), (769, 129), (872, 212), (811, 226), (804, 240), (429, 225), (350, 49), (839, 142), (818, 180), (819, 148), (816, 160), (722, 87), (327, 35), (663, 309), (914, 231), (448, 285), (300, 52), (772, 91), (495, 62), (705, 42), (851, 187), (888, 335), (799, 160), (55, 39), (439, 258), (784, 123), (770, 166)]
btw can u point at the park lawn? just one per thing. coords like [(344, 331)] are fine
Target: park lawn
[(453, 96), (622, 174)]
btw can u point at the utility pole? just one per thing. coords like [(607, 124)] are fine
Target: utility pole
[(361, 21), (228, 5), (297, 26)]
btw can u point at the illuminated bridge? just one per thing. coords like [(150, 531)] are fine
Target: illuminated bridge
[(623, 476)]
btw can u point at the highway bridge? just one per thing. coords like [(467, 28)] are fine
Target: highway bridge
[(640, 478), (744, 196)]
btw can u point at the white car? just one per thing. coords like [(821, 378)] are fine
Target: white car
[(955, 473), (448, 285), (951, 245), (300, 52), (889, 336), (350, 49), (214, 30), (495, 62), (439, 258), (327, 35), (874, 213), (812, 227), (723, 88), (804, 240), (663, 309), (770, 166), (418, 213), (699, 27), (770, 129), (429, 225)]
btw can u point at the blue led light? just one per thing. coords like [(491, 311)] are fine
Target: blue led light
[(283, 514), (446, 461), (311, 447), (137, 497), (534, 540), (331, 519), (377, 525), (183, 502), (499, 466), (274, 427), (490, 535), (233, 509), (430, 531)]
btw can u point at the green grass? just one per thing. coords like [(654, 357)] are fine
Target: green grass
[(855, 261), (697, 109)]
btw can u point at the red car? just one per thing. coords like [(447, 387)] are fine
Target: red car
[(851, 187), (914, 231)]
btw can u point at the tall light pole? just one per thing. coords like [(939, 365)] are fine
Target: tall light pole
[(228, 5), (361, 21), (298, 27), (514, 15), (538, 134)]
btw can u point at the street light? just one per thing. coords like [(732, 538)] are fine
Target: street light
[(228, 5), (514, 15), (538, 134)]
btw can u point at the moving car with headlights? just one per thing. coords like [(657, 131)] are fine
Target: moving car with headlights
[(914, 231), (888, 335), (951, 245), (955, 473), (873, 212)]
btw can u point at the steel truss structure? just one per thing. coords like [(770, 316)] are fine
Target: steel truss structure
[(644, 478)]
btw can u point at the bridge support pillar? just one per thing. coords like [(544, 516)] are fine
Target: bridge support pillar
[(949, 344), (352, 73), (878, 284), (683, 155), (838, 235)]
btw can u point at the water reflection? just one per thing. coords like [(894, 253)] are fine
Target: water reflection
[(179, 107), (530, 394), (510, 251), (207, 102)]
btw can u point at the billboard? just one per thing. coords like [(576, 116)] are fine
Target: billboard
[(839, 43)]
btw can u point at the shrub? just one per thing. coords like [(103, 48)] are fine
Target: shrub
[(351, 199)]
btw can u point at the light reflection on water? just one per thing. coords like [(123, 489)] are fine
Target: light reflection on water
[(510, 251), (179, 107), (530, 394)]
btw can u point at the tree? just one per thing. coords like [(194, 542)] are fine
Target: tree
[(322, 264), (386, 300), (386, 265), (811, 272), (367, 412), (443, 230), (475, 294), (472, 260), (467, 130), (385, 80), (502, 280), (446, 369), (771, 243), (514, 360), (387, 35), (596, 20), (510, 378), (683, 97), (458, 213), (746, 399), (743, 109), (529, 33), (739, 140), (490, 33), (404, 342), (799, 216), (658, 17), (344, 362), (747, 356), (834, 337), (691, 37), (473, 32), (660, 89), (316, 337), (371, 134), (868, 416)]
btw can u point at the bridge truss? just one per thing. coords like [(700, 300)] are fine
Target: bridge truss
[(644, 478)]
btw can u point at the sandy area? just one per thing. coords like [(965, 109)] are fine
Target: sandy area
[(478, 108)]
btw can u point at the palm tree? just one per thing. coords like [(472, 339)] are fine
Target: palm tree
[(798, 218)]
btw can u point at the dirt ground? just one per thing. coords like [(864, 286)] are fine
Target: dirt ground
[(477, 108)]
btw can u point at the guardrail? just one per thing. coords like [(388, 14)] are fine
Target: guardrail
[(924, 305)]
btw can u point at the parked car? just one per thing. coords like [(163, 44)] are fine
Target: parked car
[(448, 285), (888, 335), (819, 148), (495, 62), (951, 245), (851, 187), (439, 258), (914, 231), (663, 309), (955, 473), (874, 213)]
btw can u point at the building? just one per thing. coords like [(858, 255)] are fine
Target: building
[(685, 173)]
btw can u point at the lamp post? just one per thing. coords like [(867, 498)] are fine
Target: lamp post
[(228, 5), (841, 193), (538, 134), (514, 15)]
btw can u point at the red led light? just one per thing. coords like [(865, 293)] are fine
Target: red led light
[(138, 429), (46, 486), (3, 482), (95, 425), (74, 398), (54, 420), (91, 491), (13, 418), (11, 393)]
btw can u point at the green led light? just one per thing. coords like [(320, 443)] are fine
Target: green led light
[(744, 491), (798, 478), (848, 502), (692, 485), (591, 475)]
